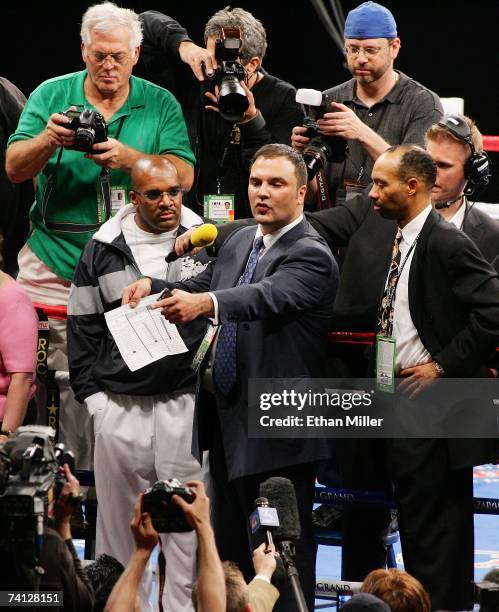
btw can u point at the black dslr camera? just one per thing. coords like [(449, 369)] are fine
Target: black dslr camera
[(232, 100), (320, 149), (30, 483), (89, 127), (166, 516)]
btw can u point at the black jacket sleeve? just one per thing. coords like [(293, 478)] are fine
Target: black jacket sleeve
[(63, 572), (337, 225), (279, 114), (161, 32), (86, 326)]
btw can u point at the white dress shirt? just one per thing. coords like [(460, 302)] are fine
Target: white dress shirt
[(458, 218), (409, 349)]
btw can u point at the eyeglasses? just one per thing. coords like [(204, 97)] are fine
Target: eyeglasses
[(154, 196), (367, 52), (116, 58)]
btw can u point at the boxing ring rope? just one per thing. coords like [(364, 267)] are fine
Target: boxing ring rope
[(323, 495)]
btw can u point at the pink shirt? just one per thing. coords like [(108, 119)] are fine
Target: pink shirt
[(18, 337)]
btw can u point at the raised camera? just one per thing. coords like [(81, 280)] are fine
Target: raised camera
[(166, 516), (89, 127), (320, 149), (232, 100)]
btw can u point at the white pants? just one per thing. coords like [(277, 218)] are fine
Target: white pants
[(139, 440), (45, 287)]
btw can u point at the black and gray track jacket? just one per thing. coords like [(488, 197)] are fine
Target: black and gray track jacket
[(106, 267)]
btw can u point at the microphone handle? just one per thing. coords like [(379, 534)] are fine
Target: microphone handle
[(270, 539), (301, 604), (286, 551), (172, 256)]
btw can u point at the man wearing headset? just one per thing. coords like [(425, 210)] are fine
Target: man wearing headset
[(463, 172)]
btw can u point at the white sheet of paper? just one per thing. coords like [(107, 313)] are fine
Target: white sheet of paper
[(143, 335)]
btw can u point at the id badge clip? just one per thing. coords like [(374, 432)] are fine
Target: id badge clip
[(206, 342), (220, 208), (385, 363)]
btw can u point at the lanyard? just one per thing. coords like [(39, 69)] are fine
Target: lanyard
[(393, 288), (105, 186)]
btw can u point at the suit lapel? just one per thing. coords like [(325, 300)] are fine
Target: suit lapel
[(278, 249), (417, 271), (472, 225), (242, 250)]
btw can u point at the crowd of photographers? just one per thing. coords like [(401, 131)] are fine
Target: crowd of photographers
[(125, 171)]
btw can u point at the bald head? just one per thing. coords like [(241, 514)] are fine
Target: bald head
[(152, 166), (156, 194)]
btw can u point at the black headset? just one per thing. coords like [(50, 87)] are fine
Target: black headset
[(477, 167)]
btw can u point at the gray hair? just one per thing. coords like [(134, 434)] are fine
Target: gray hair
[(107, 16), (252, 31)]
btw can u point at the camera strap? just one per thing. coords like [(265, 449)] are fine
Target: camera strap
[(323, 197), (105, 187), (162, 575)]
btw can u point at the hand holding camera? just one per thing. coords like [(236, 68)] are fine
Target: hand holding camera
[(89, 128), (144, 534), (58, 130), (111, 154), (67, 500), (168, 517), (342, 122), (197, 512), (230, 97), (198, 58), (317, 142)]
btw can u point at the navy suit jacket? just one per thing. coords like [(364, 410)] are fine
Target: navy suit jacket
[(283, 318)]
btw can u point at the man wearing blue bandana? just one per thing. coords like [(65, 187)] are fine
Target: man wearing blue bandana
[(377, 108)]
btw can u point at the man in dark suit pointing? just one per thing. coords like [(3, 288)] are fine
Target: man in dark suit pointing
[(271, 291)]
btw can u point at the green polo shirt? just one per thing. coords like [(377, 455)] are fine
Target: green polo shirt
[(151, 121)]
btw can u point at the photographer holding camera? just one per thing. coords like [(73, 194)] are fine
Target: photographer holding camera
[(210, 583), (38, 495), (224, 142), (377, 108), (77, 191), (63, 571)]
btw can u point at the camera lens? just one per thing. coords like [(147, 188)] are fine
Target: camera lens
[(84, 139), (232, 102)]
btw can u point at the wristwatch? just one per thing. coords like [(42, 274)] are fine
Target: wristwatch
[(438, 368)]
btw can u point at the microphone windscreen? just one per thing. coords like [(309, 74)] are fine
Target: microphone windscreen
[(204, 235), (281, 495)]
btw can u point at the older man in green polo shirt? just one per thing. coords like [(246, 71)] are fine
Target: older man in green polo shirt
[(142, 119)]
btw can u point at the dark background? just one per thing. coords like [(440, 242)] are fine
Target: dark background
[(449, 46)]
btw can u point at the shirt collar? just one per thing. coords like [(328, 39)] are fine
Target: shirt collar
[(411, 231), (270, 239), (458, 218), (395, 92), (393, 96), (136, 97)]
